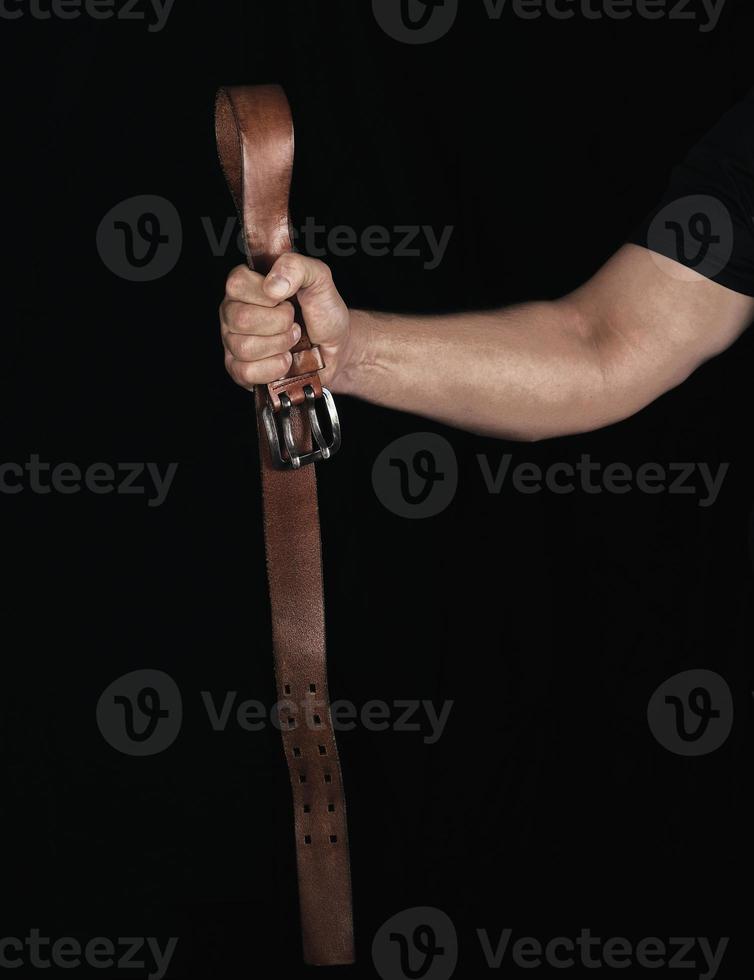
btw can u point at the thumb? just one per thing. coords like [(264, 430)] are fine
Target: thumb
[(293, 273), (311, 282)]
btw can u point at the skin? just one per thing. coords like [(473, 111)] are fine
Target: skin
[(637, 329)]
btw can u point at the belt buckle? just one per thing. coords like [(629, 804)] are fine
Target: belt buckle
[(275, 423)]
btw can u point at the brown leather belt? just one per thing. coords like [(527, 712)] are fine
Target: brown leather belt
[(255, 142)]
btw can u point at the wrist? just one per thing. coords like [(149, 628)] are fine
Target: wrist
[(357, 355)]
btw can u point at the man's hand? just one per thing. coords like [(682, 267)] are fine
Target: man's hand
[(258, 322)]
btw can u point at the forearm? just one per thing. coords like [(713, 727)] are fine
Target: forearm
[(527, 372)]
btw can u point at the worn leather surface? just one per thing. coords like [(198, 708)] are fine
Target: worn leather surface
[(255, 143)]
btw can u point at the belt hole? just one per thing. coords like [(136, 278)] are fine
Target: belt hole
[(317, 720), (322, 750), (291, 722), (297, 751), (287, 688), (331, 808), (307, 808), (313, 688), (307, 839), (328, 777), (333, 838), (302, 778)]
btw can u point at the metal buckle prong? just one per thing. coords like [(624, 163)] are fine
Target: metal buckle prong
[(294, 459), (311, 407), (287, 426)]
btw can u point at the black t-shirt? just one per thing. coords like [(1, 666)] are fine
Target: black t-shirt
[(706, 218)]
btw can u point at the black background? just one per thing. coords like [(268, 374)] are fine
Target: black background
[(547, 805)]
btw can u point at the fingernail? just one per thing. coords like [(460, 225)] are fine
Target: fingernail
[(297, 333), (277, 286)]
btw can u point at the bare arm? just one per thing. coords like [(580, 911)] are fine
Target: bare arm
[(640, 327)]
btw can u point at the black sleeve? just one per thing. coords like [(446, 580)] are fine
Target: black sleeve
[(706, 218)]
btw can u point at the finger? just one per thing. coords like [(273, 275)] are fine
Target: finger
[(293, 273), (245, 286), (262, 372), (247, 318), (245, 348)]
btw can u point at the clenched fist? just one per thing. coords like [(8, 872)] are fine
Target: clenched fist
[(258, 321)]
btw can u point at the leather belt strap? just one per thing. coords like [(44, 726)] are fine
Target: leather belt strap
[(255, 142)]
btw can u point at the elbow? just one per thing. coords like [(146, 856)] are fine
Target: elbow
[(583, 387), (535, 434)]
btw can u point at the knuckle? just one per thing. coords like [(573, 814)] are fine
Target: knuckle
[(242, 374), (288, 266), (248, 349), (249, 374), (246, 316), (231, 317), (237, 281), (320, 278), (237, 371), (234, 346), (324, 272), (233, 369), (251, 349), (238, 346)]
